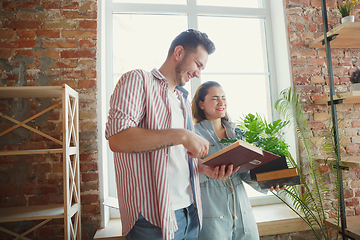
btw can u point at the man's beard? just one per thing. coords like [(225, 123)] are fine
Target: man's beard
[(179, 75)]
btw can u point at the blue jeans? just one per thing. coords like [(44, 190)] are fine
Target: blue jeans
[(188, 227)]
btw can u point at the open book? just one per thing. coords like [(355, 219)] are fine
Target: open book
[(240, 153)]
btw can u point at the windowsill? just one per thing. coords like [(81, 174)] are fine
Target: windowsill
[(276, 219), (112, 231), (271, 219)]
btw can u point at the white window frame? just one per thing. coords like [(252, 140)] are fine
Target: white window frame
[(278, 57)]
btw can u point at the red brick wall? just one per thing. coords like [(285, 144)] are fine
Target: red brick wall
[(310, 76), (48, 43)]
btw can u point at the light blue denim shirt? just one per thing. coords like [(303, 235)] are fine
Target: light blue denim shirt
[(227, 213)]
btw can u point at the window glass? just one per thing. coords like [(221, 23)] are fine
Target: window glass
[(240, 44), (244, 93), (232, 3), (140, 41), (240, 65), (152, 1)]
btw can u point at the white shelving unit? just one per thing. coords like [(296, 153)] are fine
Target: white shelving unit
[(70, 210)]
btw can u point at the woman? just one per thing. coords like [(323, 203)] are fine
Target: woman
[(227, 212)]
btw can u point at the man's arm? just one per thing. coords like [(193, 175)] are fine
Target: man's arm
[(139, 140)]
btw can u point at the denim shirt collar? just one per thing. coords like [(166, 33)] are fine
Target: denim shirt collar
[(229, 127)]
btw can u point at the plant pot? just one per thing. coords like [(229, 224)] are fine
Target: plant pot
[(354, 86), (348, 19)]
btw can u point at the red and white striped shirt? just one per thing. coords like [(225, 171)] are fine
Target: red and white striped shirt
[(140, 100)]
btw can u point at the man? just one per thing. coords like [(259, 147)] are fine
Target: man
[(149, 130)]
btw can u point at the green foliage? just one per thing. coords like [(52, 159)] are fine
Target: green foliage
[(255, 130), (239, 135), (355, 76), (344, 10), (313, 203), (347, 6)]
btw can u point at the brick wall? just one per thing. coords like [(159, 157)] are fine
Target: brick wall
[(310, 78), (48, 43)]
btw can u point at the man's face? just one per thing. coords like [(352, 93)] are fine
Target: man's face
[(191, 66)]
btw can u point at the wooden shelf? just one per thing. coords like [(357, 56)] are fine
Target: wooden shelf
[(25, 152), (350, 161), (31, 92), (13, 214), (349, 35), (70, 210), (347, 97), (352, 223)]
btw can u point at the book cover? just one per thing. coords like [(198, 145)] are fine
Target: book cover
[(287, 176), (277, 164), (240, 153)]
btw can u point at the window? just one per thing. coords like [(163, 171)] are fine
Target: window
[(251, 45)]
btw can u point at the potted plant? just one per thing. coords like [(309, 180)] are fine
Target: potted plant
[(312, 203), (355, 80), (345, 10), (256, 130)]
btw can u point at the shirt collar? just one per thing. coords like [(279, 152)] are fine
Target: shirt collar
[(183, 90), (207, 124), (158, 75)]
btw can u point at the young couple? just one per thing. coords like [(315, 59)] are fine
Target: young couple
[(164, 190)]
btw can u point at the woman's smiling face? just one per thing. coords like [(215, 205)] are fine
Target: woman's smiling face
[(214, 104)]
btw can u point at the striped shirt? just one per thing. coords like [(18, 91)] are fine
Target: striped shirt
[(140, 100)]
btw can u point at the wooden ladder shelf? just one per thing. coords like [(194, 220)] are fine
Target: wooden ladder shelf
[(70, 210)]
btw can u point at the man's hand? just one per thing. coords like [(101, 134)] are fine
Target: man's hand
[(217, 172), (195, 145)]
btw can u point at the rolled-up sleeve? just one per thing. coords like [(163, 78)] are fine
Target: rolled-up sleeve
[(126, 103)]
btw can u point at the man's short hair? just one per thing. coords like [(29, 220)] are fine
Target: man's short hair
[(190, 40)]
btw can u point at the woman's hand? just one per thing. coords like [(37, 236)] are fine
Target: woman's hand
[(277, 188), (217, 172)]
